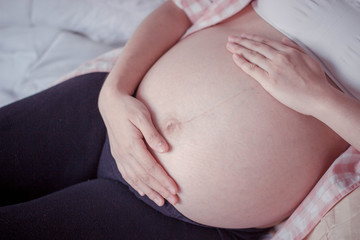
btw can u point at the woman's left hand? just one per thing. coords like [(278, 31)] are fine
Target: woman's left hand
[(283, 70)]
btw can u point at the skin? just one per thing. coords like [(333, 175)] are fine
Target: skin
[(301, 86), (128, 121), (231, 143), (130, 124)]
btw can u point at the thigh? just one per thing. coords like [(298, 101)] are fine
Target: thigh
[(51, 140), (97, 209)]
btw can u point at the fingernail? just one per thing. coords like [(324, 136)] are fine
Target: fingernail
[(172, 190), (158, 201), (172, 200), (161, 146), (287, 41), (236, 56), (229, 45)]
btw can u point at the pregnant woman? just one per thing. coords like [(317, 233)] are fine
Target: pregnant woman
[(229, 127)]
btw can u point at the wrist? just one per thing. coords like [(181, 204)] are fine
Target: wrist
[(108, 95), (117, 83), (328, 103)]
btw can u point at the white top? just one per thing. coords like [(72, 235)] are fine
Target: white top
[(327, 29)]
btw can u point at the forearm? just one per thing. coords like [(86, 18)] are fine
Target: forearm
[(128, 121), (342, 114), (155, 35)]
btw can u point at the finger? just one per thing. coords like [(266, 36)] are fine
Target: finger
[(250, 55), (153, 170), (292, 44), (157, 196), (131, 177), (145, 184), (274, 44), (137, 177), (151, 135), (150, 177), (261, 47), (251, 69), (129, 180), (280, 46)]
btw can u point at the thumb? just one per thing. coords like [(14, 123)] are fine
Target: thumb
[(152, 136), (290, 43)]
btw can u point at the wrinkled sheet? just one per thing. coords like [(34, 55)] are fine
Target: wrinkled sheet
[(42, 40)]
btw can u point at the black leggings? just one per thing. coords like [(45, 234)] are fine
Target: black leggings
[(50, 145)]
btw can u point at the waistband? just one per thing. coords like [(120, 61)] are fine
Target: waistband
[(108, 169)]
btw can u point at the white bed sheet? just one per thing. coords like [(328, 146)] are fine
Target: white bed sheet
[(42, 40)]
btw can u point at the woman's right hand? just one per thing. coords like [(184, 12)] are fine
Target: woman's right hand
[(129, 126)]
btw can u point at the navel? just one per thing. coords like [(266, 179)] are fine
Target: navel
[(171, 126)]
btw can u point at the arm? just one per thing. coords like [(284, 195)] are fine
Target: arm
[(154, 36), (342, 114), (127, 120), (301, 85)]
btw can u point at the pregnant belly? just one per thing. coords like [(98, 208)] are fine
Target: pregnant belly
[(240, 158)]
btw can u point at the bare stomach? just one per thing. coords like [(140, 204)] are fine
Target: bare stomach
[(241, 159)]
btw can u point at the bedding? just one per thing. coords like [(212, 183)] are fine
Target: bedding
[(42, 40), (341, 222)]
